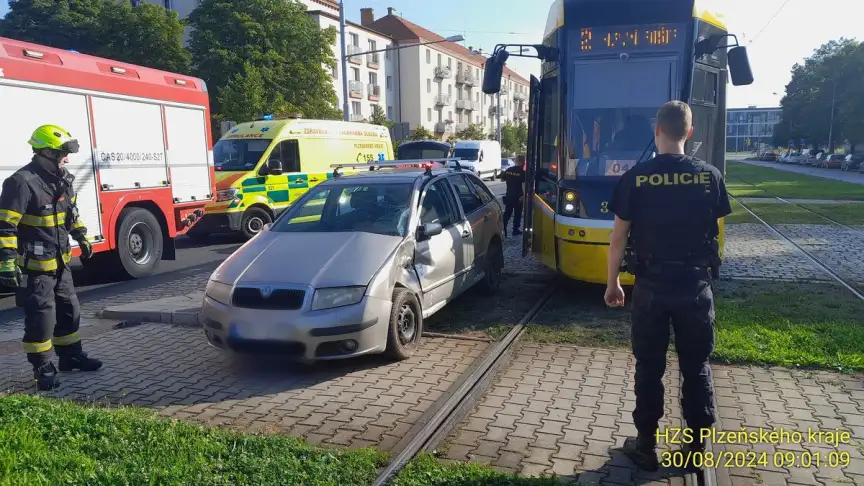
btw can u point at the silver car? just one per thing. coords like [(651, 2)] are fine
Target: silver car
[(356, 265)]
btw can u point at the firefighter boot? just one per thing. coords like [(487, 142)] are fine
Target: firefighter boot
[(79, 361), (46, 377), (641, 451)]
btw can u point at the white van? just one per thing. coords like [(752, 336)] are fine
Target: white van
[(482, 156)]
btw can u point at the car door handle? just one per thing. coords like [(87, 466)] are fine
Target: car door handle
[(466, 234)]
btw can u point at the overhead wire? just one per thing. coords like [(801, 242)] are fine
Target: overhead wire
[(769, 21)]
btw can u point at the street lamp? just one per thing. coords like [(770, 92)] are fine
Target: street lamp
[(345, 56), (831, 125)]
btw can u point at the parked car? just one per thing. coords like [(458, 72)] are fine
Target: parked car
[(506, 164), (833, 161), (852, 162), (768, 157), (356, 265), (817, 160), (792, 158)]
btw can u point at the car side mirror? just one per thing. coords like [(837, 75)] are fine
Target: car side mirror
[(428, 230), (274, 166), (739, 66)]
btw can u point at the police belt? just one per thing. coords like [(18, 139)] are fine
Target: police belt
[(655, 265)]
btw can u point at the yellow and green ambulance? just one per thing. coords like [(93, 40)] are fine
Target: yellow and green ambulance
[(263, 166)]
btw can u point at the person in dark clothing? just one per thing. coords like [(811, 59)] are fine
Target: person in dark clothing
[(38, 215), (515, 179), (669, 207)]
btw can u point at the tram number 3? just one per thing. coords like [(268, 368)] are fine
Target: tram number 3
[(604, 207)]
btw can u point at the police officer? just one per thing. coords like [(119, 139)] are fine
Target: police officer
[(669, 207), (515, 179), (37, 216)]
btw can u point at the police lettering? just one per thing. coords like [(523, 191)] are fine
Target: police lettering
[(676, 179)]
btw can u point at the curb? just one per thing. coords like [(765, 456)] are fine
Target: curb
[(182, 317)]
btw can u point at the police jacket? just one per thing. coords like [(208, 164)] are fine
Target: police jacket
[(673, 203), (514, 177), (37, 216)]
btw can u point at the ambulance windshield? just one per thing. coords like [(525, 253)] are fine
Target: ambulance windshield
[(234, 155)]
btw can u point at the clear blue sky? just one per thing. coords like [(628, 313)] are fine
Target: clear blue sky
[(798, 28)]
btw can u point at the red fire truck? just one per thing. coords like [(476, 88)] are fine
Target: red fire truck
[(145, 168)]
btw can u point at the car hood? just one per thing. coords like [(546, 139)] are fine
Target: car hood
[(316, 259)]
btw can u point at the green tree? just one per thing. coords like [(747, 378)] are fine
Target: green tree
[(514, 138), (473, 132), (245, 97), (283, 43), (421, 133), (379, 117), (148, 35)]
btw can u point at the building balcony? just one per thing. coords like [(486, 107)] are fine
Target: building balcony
[(494, 110), (443, 100), (460, 127), (355, 89), (356, 117), (504, 91), (464, 105), (443, 127), (353, 51), (374, 92), (466, 78), (521, 115), (520, 96), (443, 72), (373, 61)]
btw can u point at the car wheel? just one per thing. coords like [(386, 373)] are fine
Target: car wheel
[(406, 325), (492, 269), (253, 222)]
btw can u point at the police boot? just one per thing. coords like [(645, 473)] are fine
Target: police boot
[(641, 451), (79, 361), (46, 377), (691, 451)]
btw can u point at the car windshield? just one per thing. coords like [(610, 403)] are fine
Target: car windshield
[(466, 153), (234, 155), (382, 209)]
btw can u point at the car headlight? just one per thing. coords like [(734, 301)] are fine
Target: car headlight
[(337, 297), (227, 194), (218, 291)]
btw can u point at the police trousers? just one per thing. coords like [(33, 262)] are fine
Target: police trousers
[(512, 207), (688, 305), (52, 315)]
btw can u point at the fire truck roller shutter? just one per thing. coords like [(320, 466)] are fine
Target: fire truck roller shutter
[(187, 154)]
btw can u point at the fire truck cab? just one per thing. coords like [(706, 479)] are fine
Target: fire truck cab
[(144, 172)]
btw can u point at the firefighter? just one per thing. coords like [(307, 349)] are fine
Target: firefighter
[(37, 216), (670, 206)]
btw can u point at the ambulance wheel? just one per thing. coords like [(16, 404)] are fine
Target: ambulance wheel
[(139, 242), (253, 222)]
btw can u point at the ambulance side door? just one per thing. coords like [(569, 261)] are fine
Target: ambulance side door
[(278, 192)]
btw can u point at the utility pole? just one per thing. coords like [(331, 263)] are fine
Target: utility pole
[(831, 126), (344, 60), (498, 115)]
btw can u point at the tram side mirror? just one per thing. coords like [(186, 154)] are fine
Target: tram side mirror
[(428, 230), (274, 166), (739, 67), (494, 70)]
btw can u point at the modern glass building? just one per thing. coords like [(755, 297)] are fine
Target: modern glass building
[(746, 128)]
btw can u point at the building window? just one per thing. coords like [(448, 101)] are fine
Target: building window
[(373, 46), (439, 59), (428, 114), (449, 62), (389, 112), (356, 108), (387, 52), (334, 71), (355, 74), (389, 83), (449, 115), (428, 56), (373, 79), (449, 90), (428, 85), (355, 40)]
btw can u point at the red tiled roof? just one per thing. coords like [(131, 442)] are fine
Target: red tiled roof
[(403, 30)]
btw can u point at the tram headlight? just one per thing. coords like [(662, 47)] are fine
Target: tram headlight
[(569, 208), (570, 196), (571, 203)]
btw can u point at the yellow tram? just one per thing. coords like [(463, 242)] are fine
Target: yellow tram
[(607, 66)]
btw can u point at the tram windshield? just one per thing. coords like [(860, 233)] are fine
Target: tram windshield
[(612, 111)]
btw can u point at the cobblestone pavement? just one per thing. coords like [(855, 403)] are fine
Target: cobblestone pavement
[(836, 247), (853, 177), (562, 410), (355, 403), (796, 401), (752, 251)]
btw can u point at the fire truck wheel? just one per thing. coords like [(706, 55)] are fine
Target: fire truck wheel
[(139, 242), (253, 222)]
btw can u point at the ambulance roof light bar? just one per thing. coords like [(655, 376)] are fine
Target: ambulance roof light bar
[(399, 164)]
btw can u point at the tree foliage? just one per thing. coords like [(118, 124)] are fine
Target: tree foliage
[(472, 132), (837, 65), (148, 35), (379, 117), (421, 133), (284, 46), (514, 138)]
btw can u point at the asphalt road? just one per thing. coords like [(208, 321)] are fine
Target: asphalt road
[(192, 258)]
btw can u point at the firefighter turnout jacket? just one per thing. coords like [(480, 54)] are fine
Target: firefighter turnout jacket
[(37, 216)]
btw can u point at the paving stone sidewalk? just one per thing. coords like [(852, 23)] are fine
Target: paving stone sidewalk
[(752, 251), (356, 403)]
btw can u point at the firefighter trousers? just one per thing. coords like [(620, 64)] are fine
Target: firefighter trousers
[(52, 315), (688, 304)]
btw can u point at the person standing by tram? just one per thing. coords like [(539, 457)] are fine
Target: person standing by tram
[(669, 208), (514, 177)]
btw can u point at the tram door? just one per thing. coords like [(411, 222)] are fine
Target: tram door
[(532, 159)]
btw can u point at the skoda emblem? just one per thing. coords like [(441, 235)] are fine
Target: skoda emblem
[(266, 292)]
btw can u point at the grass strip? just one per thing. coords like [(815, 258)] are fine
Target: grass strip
[(49, 442), (848, 214), (425, 470), (739, 215), (781, 213), (741, 179)]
